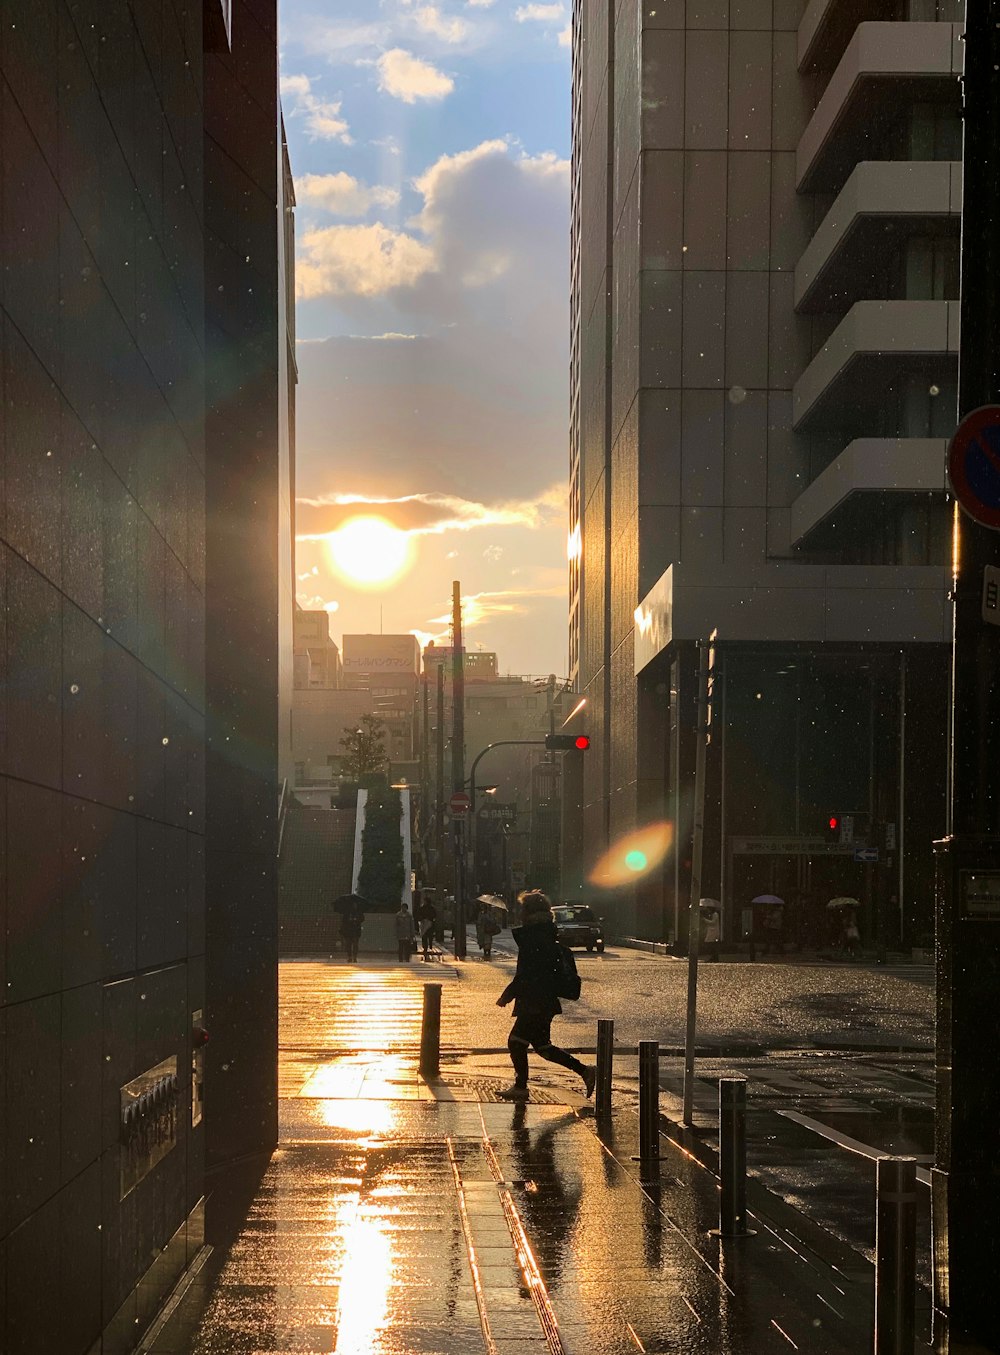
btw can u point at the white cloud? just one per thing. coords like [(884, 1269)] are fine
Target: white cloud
[(479, 4), (566, 36), (446, 27), (540, 13), (323, 118), (361, 261), (431, 514), (407, 77), (342, 195)]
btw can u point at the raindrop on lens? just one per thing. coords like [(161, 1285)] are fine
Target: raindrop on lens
[(164, 740), (737, 394), (935, 390), (74, 688)]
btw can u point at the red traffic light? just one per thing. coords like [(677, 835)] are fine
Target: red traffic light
[(833, 823), (582, 742)]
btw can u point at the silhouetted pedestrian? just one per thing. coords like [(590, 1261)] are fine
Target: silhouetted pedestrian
[(426, 921), (542, 971), (351, 925), (404, 933)]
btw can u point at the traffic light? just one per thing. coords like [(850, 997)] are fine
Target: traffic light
[(839, 828), (564, 742), (831, 828)]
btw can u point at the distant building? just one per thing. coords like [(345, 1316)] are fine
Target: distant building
[(321, 718), (317, 657), (479, 663), (387, 667)]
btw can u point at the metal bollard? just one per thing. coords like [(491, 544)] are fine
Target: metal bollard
[(649, 1101), (430, 1031), (733, 1158), (605, 1066), (895, 1255)]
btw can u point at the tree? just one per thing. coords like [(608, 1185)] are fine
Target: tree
[(380, 881), (364, 749)]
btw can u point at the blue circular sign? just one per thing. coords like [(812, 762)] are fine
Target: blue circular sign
[(974, 465)]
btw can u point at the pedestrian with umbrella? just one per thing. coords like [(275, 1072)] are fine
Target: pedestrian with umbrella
[(850, 933), (711, 927), (351, 910)]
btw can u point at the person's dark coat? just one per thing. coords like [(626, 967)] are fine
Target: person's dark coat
[(534, 981)]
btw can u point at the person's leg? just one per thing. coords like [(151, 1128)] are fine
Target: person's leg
[(520, 1038), (542, 1044)]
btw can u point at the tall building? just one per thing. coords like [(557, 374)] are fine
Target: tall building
[(387, 666), (765, 225), (140, 532)]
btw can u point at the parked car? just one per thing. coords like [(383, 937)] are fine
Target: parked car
[(576, 925)]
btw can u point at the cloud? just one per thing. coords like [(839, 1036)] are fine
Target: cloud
[(342, 195), (479, 4), (448, 28), (359, 261), (480, 607), (429, 514), (409, 78), (566, 36), (477, 399), (540, 13), (322, 117)]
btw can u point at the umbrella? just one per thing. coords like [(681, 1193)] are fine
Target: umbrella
[(844, 902), (492, 901), (348, 901), (767, 898), (710, 905)]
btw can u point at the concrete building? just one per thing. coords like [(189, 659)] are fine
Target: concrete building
[(144, 545), (317, 657), (320, 718), (388, 667), (764, 343)]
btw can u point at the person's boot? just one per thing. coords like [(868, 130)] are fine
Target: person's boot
[(514, 1093)]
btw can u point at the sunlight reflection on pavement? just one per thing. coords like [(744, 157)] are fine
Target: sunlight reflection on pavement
[(405, 1218)]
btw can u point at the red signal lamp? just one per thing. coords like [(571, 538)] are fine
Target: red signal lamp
[(833, 823), (582, 741)]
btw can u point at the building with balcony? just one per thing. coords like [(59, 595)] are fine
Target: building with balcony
[(764, 272)]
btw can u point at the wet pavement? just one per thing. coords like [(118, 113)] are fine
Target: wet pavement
[(425, 1218)]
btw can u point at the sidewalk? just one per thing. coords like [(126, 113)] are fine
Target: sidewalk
[(430, 1218)]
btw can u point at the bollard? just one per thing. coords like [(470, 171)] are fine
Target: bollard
[(649, 1101), (895, 1255), (733, 1158), (430, 1031), (605, 1066)]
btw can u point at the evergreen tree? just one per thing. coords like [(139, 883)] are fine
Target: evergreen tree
[(364, 748)]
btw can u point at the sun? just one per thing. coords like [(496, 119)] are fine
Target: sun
[(369, 551)]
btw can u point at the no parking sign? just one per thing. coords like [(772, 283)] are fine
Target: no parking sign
[(974, 465)]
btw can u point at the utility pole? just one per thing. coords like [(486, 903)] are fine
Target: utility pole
[(965, 1183), (458, 761), (425, 734), (439, 789), (703, 733)]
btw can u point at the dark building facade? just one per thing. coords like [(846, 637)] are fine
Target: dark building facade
[(139, 507), (764, 348)]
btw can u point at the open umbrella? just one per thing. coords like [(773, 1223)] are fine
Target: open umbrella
[(844, 902), (767, 898), (348, 901), (710, 905), (492, 901)]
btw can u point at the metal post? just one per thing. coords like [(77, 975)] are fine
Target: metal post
[(706, 660), (605, 1067), (430, 1031), (649, 1100), (458, 759), (733, 1157), (895, 1255), (439, 791)]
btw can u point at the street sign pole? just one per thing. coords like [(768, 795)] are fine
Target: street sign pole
[(706, 677), (965, 1183)]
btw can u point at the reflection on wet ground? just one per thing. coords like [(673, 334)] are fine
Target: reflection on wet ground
[(425, 1219)]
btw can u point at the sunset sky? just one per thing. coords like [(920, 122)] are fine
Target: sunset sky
[(430, 145)]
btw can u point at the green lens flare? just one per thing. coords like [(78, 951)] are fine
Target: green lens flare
[(636, 860)]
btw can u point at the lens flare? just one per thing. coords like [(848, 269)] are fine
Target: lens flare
[(633, 856), (369, 552)]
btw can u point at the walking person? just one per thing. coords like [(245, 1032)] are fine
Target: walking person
[(711, 933), (350, 930), (426, 921), (404, 933), (541, 967), (485, 931)]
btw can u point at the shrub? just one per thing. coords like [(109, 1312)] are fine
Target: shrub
[(380, 882)]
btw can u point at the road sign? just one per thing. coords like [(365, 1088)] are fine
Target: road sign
[(459, 804), (974, 465), (866, 854), (504, 813), (991, 595)]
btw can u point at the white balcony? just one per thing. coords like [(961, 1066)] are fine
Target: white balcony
[(875, 346), (881, 202), (885, 66), (870, 466)]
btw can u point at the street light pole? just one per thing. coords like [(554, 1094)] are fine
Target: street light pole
[(965, 1185), (458, 762)]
